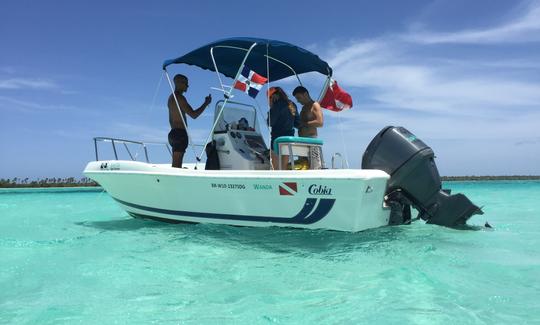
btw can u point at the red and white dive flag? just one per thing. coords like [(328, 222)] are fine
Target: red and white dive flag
[(250, 82), (335, 98)]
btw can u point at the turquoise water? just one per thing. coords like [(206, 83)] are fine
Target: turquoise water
[(76, 257)]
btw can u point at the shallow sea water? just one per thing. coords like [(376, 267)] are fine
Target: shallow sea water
[(76, 257)]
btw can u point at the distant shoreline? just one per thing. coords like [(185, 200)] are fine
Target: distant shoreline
[(86, 182), (491, 178), (47, 182), (47, 185)]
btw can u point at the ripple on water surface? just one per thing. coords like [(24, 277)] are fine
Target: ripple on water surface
[(77, 257)]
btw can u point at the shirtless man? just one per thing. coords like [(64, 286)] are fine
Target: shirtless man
[(311, 118), (178, 138)]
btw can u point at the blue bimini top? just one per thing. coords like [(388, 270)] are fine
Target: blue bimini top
[(285, 59)]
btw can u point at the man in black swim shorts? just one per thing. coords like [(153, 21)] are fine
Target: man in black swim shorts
[(178, 138)]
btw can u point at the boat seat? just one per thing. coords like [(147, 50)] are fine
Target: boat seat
[(296, 140), (308, 150)]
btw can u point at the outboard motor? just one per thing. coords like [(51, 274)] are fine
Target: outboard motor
[(414, 180)]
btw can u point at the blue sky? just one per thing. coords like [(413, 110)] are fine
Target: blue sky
[(462, 75)]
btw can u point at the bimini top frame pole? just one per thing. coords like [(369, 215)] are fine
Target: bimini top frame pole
[(288, 66), (217, 70), (291, 59), (227, 95), (243, 49), (325, 86)]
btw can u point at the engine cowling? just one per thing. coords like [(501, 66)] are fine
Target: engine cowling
[(414, 179)]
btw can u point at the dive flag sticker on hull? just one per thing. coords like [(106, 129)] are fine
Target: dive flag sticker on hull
[(288, 188)]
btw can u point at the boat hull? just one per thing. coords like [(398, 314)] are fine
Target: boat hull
[(344, 200)]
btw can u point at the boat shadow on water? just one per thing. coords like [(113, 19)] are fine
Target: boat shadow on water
[(270, 239), (128, 224)]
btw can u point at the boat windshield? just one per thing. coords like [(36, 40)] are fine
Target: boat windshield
[(236, 116)]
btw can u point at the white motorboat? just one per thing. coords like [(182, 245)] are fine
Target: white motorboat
[(238, 186)]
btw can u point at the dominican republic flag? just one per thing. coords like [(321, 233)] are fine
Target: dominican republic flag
[(335, 98), (250, 82)]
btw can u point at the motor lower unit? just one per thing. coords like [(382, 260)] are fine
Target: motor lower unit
[(414, 180)]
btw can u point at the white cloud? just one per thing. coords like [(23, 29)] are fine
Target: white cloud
[(532, 141), (30, 106), (400, 80), (396, 76), (27, 83), (525, 28), (481, 110), (368, 121), (516, 63), (8, 69)]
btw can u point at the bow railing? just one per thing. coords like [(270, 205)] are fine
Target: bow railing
[(115, 142)]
